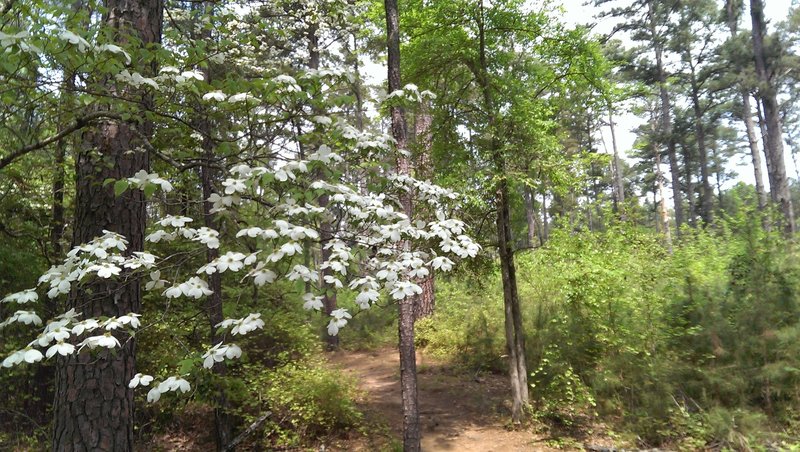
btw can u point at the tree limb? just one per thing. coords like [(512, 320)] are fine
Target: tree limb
[(78, 124), (255, 425), (6, 7)]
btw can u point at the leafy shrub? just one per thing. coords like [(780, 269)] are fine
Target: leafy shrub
[(307, 401)]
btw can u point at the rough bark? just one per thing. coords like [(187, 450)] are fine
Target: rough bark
[(93, 404), (423, 120), (767, 94), (408, 362)]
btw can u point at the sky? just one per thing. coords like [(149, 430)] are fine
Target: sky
[(577, 12)]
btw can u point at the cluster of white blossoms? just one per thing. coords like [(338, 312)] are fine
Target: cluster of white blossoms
[(142, 178), (370, 245)]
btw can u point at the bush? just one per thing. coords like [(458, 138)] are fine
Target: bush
[(307, 401)]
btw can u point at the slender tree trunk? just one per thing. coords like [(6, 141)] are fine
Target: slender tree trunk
[(747, 116), (515, 341), (778, 182), (93, 404), (223, 422), (530, 216), (545, 224), (408, 363), (665, 131), (662, 206), (706, 194), (616, 164), (329, 301), (755, 152), (663, 218), (689, 175)]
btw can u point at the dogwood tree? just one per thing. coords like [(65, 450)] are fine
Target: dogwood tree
[(371, 245)]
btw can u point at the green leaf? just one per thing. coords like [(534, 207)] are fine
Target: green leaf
[(120, 186), (185, 365), (149, 189)]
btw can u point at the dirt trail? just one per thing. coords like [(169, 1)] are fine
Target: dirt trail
[(459, 412)]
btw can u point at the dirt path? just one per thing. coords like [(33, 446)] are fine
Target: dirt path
[(459, 412)]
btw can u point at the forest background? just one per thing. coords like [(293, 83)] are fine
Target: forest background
[(199, 200)]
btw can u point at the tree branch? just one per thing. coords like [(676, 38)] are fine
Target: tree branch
[(6, 7), (248, 431), (78, 124)]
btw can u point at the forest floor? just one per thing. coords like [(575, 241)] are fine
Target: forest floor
[(459, 411)]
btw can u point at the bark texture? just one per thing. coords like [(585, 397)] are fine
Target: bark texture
[(767, 94), (423, 169), (408, 362), (93, 404)]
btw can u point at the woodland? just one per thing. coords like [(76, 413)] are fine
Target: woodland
[(399, 225)]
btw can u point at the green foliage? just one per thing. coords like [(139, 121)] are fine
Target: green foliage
[(694, 348), (467, 325), (307, 401)]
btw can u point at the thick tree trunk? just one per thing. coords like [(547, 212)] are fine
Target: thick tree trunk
[(778, 182), (93, 404), (408, 362), (94, 407), (423, 169)]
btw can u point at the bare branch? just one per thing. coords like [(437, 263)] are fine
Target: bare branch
[(78, 124)]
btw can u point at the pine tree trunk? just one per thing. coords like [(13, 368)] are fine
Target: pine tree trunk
[(755, 152), (689, 175), (93, 404), (706, 194), (423, 169), (778, 182), (223, 421), (732, 10), (665, 131), (616, 166), (408, 362)]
